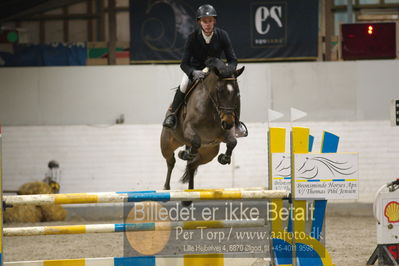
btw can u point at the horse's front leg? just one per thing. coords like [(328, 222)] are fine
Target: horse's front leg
[(231, 142), (190, 153)]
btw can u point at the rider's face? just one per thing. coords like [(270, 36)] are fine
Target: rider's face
[(207, 24)]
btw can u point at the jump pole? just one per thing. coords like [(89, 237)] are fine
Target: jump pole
[(119, 197), (192, 260), (132, 227)]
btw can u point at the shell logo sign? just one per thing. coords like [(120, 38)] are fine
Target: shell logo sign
[(391, 211)]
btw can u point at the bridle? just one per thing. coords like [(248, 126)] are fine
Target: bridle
[(216, 102)]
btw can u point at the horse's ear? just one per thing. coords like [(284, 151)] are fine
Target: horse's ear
[(239, 71)]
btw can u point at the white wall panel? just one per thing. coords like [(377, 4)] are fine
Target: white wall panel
[(332, 91), (128, 157), (377, 84), (316, 88)]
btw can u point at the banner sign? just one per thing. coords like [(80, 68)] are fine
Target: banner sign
[(325, 175), (387, 206), (259, 30), (56, 54), (281, 171)]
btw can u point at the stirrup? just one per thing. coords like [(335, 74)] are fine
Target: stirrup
[(241, 130), (170, 121)]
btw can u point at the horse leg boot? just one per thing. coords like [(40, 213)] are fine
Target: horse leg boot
[(171, 120), (190, 153), (240, 128)]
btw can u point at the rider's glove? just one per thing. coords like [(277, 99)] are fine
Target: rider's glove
[(198, 74)]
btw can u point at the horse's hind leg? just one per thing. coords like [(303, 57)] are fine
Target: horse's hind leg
[(168, 146), (206, 154), (188, 176), (171, 164)]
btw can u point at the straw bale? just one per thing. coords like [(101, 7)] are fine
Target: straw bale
[(35, 188), (53, 213), (34, 214), (23, 214)]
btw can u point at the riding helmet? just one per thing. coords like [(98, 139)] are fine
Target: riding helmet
[(206, 11)]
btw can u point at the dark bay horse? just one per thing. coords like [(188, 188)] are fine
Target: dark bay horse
[(206, 120)]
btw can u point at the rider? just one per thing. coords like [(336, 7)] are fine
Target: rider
[(207, 41)]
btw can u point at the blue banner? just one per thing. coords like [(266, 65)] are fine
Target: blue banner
[(59, 54), (259, 30)]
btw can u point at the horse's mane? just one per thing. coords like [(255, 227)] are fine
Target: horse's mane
[(219, 67)]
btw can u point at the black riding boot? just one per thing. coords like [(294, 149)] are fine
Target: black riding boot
[(241, 128), (171, 119)]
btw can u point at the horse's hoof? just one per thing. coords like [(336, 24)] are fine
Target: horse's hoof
[(186, 203), (182, 155), (186, 156), (224, 159)]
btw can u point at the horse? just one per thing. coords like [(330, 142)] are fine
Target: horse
[(206, 119)]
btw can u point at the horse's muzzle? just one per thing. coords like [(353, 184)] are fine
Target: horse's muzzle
[(227, 121)]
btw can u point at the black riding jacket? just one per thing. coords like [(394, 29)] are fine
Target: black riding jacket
[(196, 50)]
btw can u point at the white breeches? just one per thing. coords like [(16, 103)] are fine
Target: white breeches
[(184, 83)]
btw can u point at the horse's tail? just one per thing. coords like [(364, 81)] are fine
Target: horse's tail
[(189, 173)]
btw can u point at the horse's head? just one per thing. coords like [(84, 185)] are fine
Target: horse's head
[(223, 90)]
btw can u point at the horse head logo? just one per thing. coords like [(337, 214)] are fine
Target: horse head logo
[(313, 166)]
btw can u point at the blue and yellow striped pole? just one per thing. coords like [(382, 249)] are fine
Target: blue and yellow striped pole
[(186, 260), (118, 197)]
